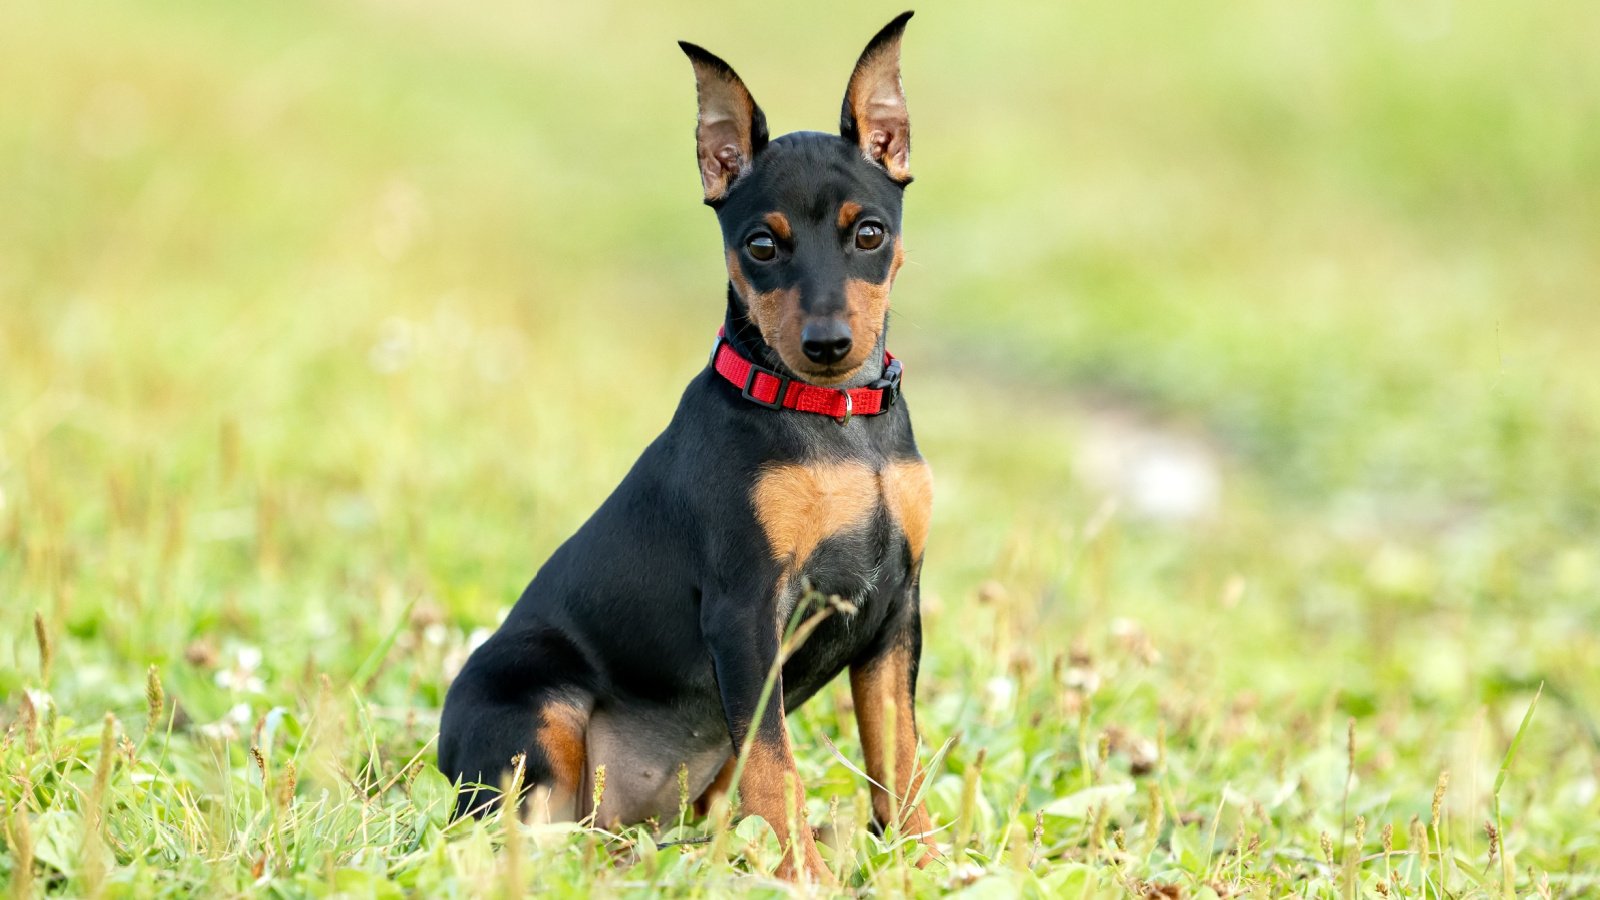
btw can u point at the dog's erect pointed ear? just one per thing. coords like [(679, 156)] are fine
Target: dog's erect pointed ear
[(731, 129), (874, 115)]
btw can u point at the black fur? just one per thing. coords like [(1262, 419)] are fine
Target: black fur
[(665, 600)]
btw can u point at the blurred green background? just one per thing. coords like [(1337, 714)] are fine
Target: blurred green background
[(1262, 332)]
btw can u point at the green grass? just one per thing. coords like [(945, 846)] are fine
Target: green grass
[(296, 303)]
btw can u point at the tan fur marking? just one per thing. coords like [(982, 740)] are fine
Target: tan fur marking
[(779, 223), (799, 506), (868, 306), (908, 493), (776, 314), (879, 107), (848, 211), (778, 317), (881, 691), (741, 285), (764, 791), (718, 787), (723, 140), (560, 737)]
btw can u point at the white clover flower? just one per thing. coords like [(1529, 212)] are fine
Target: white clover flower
[(1082, 678), (964, 874), (41, 700), (228, 727), (242, 676), (1001, 691), (455, 659)]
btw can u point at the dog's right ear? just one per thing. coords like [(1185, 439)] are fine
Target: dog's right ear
[(731, 130)]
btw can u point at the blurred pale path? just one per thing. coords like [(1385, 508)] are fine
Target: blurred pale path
[(1262, 333)]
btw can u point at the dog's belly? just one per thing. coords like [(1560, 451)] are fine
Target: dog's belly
[(643, 749)]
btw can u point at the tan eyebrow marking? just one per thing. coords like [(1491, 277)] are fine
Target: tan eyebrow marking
[(779, 224), (848, 211)]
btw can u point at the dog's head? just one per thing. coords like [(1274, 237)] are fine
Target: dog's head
[(810, 221)]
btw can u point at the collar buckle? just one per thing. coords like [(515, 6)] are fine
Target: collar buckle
[(889, 384), (750, 383)]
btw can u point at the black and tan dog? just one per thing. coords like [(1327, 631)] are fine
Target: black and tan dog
[(643, 644)]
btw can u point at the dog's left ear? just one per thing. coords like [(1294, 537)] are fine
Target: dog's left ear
[(731, 128), (874, 115)]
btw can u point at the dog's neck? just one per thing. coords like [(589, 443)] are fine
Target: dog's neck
[(745, 337)]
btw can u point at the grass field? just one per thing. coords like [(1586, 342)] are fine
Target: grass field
[(1252, 345)]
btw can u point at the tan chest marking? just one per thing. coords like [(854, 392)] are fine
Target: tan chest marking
[(908, 493), (800, 506)]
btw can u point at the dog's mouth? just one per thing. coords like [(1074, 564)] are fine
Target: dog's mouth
[(828, 376), (831, 374), (821, 375)]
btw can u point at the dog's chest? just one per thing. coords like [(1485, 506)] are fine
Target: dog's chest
[(839, 524)]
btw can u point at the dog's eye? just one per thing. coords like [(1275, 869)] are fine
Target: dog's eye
[(869, 236), (761, 247)]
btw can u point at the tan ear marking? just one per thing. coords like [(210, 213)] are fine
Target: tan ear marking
[(730, 128), (874, 114)]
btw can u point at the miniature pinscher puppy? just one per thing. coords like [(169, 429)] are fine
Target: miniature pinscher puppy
[(788, 471)]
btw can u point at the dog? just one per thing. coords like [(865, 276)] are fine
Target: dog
[(645, 647)]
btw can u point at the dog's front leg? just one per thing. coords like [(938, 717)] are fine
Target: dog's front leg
[(883, 687), (744, 649)]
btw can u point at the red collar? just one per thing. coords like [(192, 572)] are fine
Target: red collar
[(765, 387)]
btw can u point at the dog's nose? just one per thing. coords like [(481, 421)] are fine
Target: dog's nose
[(825, 342)]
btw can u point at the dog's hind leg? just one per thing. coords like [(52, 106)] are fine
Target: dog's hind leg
[(719, 787), (524, 694)]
